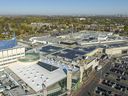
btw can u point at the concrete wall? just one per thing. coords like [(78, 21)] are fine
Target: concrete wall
[(95, 51), (101, 42), (93, 63), (69, 80), (81, 73), (115, 51)]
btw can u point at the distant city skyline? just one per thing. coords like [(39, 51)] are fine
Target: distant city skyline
[(63, 7)]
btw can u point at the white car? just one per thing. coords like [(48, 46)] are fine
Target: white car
[(99, 67), (2, 89)]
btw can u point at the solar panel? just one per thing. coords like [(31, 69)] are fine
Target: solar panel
[(50, 49), (75, 52), (85, 49), (47, 66), (70, 54), (118, 45)]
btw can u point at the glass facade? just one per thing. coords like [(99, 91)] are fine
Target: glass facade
[(5, 44)]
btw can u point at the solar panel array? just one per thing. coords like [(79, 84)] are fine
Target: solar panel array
[(47, 66), (74, 53), (50, 49)]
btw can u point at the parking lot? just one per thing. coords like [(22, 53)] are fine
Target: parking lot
[(113, 80)]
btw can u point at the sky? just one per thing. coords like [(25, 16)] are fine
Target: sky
[(63, 7)]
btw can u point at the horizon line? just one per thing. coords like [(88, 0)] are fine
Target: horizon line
[(118, 14)]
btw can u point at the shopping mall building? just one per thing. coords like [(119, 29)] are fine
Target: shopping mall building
[(10, 51)]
